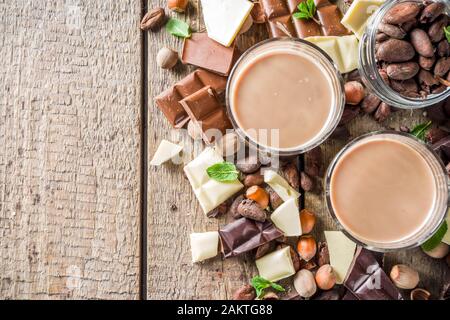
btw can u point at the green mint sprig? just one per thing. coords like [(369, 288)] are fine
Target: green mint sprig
[(223, 172), (420, 130), (447, 33), (178, 28), (436, 239), (260, 284), (306, 10)]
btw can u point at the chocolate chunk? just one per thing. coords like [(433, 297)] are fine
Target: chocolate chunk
[(442, 148), (366, 280), (244, 235), (169, 101), (202, 51)]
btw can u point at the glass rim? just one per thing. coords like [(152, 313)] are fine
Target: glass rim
[(395, 98), (319, 138), (338, 157)]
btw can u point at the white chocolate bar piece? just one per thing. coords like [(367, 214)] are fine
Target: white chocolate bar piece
[(343, 50), (166, 151), (357, 16), (224, 18), (342, 251), (280, 185), (204, 245), (276, 265), (287, 218), (446, 238), (210, 193)]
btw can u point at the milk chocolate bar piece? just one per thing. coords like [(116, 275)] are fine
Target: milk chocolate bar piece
[(281, 23), (200, 50), (366, 280), (169, 100), (244, 235), (205, 110)]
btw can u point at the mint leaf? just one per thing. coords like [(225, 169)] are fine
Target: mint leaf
[(447, 33), (436, 239), (420, 130), (178, 28), (260, 284), (307, 10), (223, 172)]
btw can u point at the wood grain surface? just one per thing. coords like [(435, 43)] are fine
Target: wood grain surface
[(70, 88)]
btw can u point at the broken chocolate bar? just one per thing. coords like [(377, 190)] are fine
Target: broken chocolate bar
[(366, 280), (169, 100), (201, 51), (205, 110), (244, 235), (281, 23)]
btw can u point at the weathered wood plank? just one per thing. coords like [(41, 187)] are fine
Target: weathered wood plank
[(70, 79)]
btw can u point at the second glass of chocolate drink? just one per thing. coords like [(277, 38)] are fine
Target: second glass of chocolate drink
[(285, 96)]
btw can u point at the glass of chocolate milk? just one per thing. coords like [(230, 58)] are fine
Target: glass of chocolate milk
[(387, 191), (285, 96)]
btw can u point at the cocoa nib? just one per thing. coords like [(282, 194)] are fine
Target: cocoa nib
[(251, 210)]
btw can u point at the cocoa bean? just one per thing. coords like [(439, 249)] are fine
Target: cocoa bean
[(350, 113), (233, 210), (394, 50), (402, 71), (434, 135), (443, 48), (403, 87), (274, 198), (220, 210), (354, 92), (370, 103), (246, 292), (354, 76), (439, 89), (290, 172), (153, 19), (384, 76), (295, 259), (402, 13), (409, 25), (442, 67), (383, 112), (381, 37), (431, 12), (330, 295), (264, 249), (427, 63), (436, 30), (254, 179), (249, 164), (437, 113), (306, 182), (313, 162), (340, 133), (251, 210), (422, 43), (323, 256), (392, 31), (427, 78)]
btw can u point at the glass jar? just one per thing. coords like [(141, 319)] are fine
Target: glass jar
[(369, 70), (440, 177), (295, 46)]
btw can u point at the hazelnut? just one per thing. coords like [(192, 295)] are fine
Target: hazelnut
[(167, 58), (259, 195), (439, 252), (354, 92), (308, 220), (177, 5), (305, 284), (325, 277), (404, 277), (306, 247), (420, 294)]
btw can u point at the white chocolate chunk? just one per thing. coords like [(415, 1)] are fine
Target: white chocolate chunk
[(204, 245), (224, 18), (276, 265), (342, 251), (446, 238), (287, 218), (357, 16), (210, 193), (343, 50), (166, 151), (280, 185)]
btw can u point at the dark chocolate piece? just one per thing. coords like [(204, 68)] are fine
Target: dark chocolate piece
[(205, 110), (366, 280), (281, 23), (244, 235), (442, 148), (169, 100), (200, 50)]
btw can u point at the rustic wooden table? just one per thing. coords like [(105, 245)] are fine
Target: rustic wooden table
[(81, 213)]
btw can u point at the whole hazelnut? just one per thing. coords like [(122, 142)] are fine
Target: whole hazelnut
[(308, 220), (325, 277), (354, 92), (167, 58), (305, 284), (177, 5), (306, 247), (439, 252), (404, 277)]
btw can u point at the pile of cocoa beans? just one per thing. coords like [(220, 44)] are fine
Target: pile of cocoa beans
[(412, 51)]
